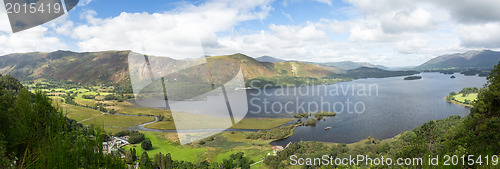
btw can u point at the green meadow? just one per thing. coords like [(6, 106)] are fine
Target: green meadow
[(470, 97), (79, 113), (118, 121), (213, 149), (246, 123)]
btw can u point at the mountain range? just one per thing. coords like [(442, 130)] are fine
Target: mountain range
[(112, 66), (482, 59), (269, 59), (338, 67)]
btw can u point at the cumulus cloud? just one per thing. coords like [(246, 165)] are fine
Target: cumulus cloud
[(397, 16), (389, 32), (84, 2), (290, 42), (169, 33), (371, 7), (416, 20), (34, 39), (480, 35), (471, 11), (416, 27), (287, 2)]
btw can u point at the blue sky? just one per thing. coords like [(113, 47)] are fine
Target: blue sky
[(296, 12), (388, 32)]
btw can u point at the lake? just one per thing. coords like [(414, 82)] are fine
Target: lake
[(376, 107), (398, 105)]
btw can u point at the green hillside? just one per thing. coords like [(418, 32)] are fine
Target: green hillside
[(111, 67), (485, 59), (80, 68)]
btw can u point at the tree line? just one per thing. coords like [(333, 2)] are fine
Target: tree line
[(34, 134)]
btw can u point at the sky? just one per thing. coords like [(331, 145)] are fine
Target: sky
[(394, 33)]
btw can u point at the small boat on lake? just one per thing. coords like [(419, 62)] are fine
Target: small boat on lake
[(328, 128)]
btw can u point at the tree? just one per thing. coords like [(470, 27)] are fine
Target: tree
[(483, 123), (146, 145), (163, 161), (130, 156), (135, 137), (145, 162), (35, 134)]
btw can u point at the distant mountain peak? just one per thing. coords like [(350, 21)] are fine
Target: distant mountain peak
[(348, 65), (112, 66), (469, 59), (269, 59)]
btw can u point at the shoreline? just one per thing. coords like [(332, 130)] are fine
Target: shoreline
[(458, 103)]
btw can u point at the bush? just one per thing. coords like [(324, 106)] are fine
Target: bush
[(146, 145), (135, 136), (88, 97), (276, 133), (110, 97), (311, 122)]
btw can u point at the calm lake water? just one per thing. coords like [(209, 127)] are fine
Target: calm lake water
[(376, 107), (400, 105)]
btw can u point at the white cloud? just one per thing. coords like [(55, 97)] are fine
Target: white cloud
[(416, 20), (34, 39), (374, 7), (398, 16), (158, 31), (389, 32), (310, 42), (84, 2), (285, 3), (370, 31), (61, 25), (392, 33), (287, 15), (471, 11), (291, 42), (411, 46), (480, 35), (328, 2)]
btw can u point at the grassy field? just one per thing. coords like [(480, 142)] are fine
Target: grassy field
[(142, 111), (74, 112), (253, 149), (471, 97), (162, 125), (118, 122), (259, 165), (460, 100), (261, 123), (221, 147), (164, 145), (212, 149), (246, 123), (82, 101), (79, 113)]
